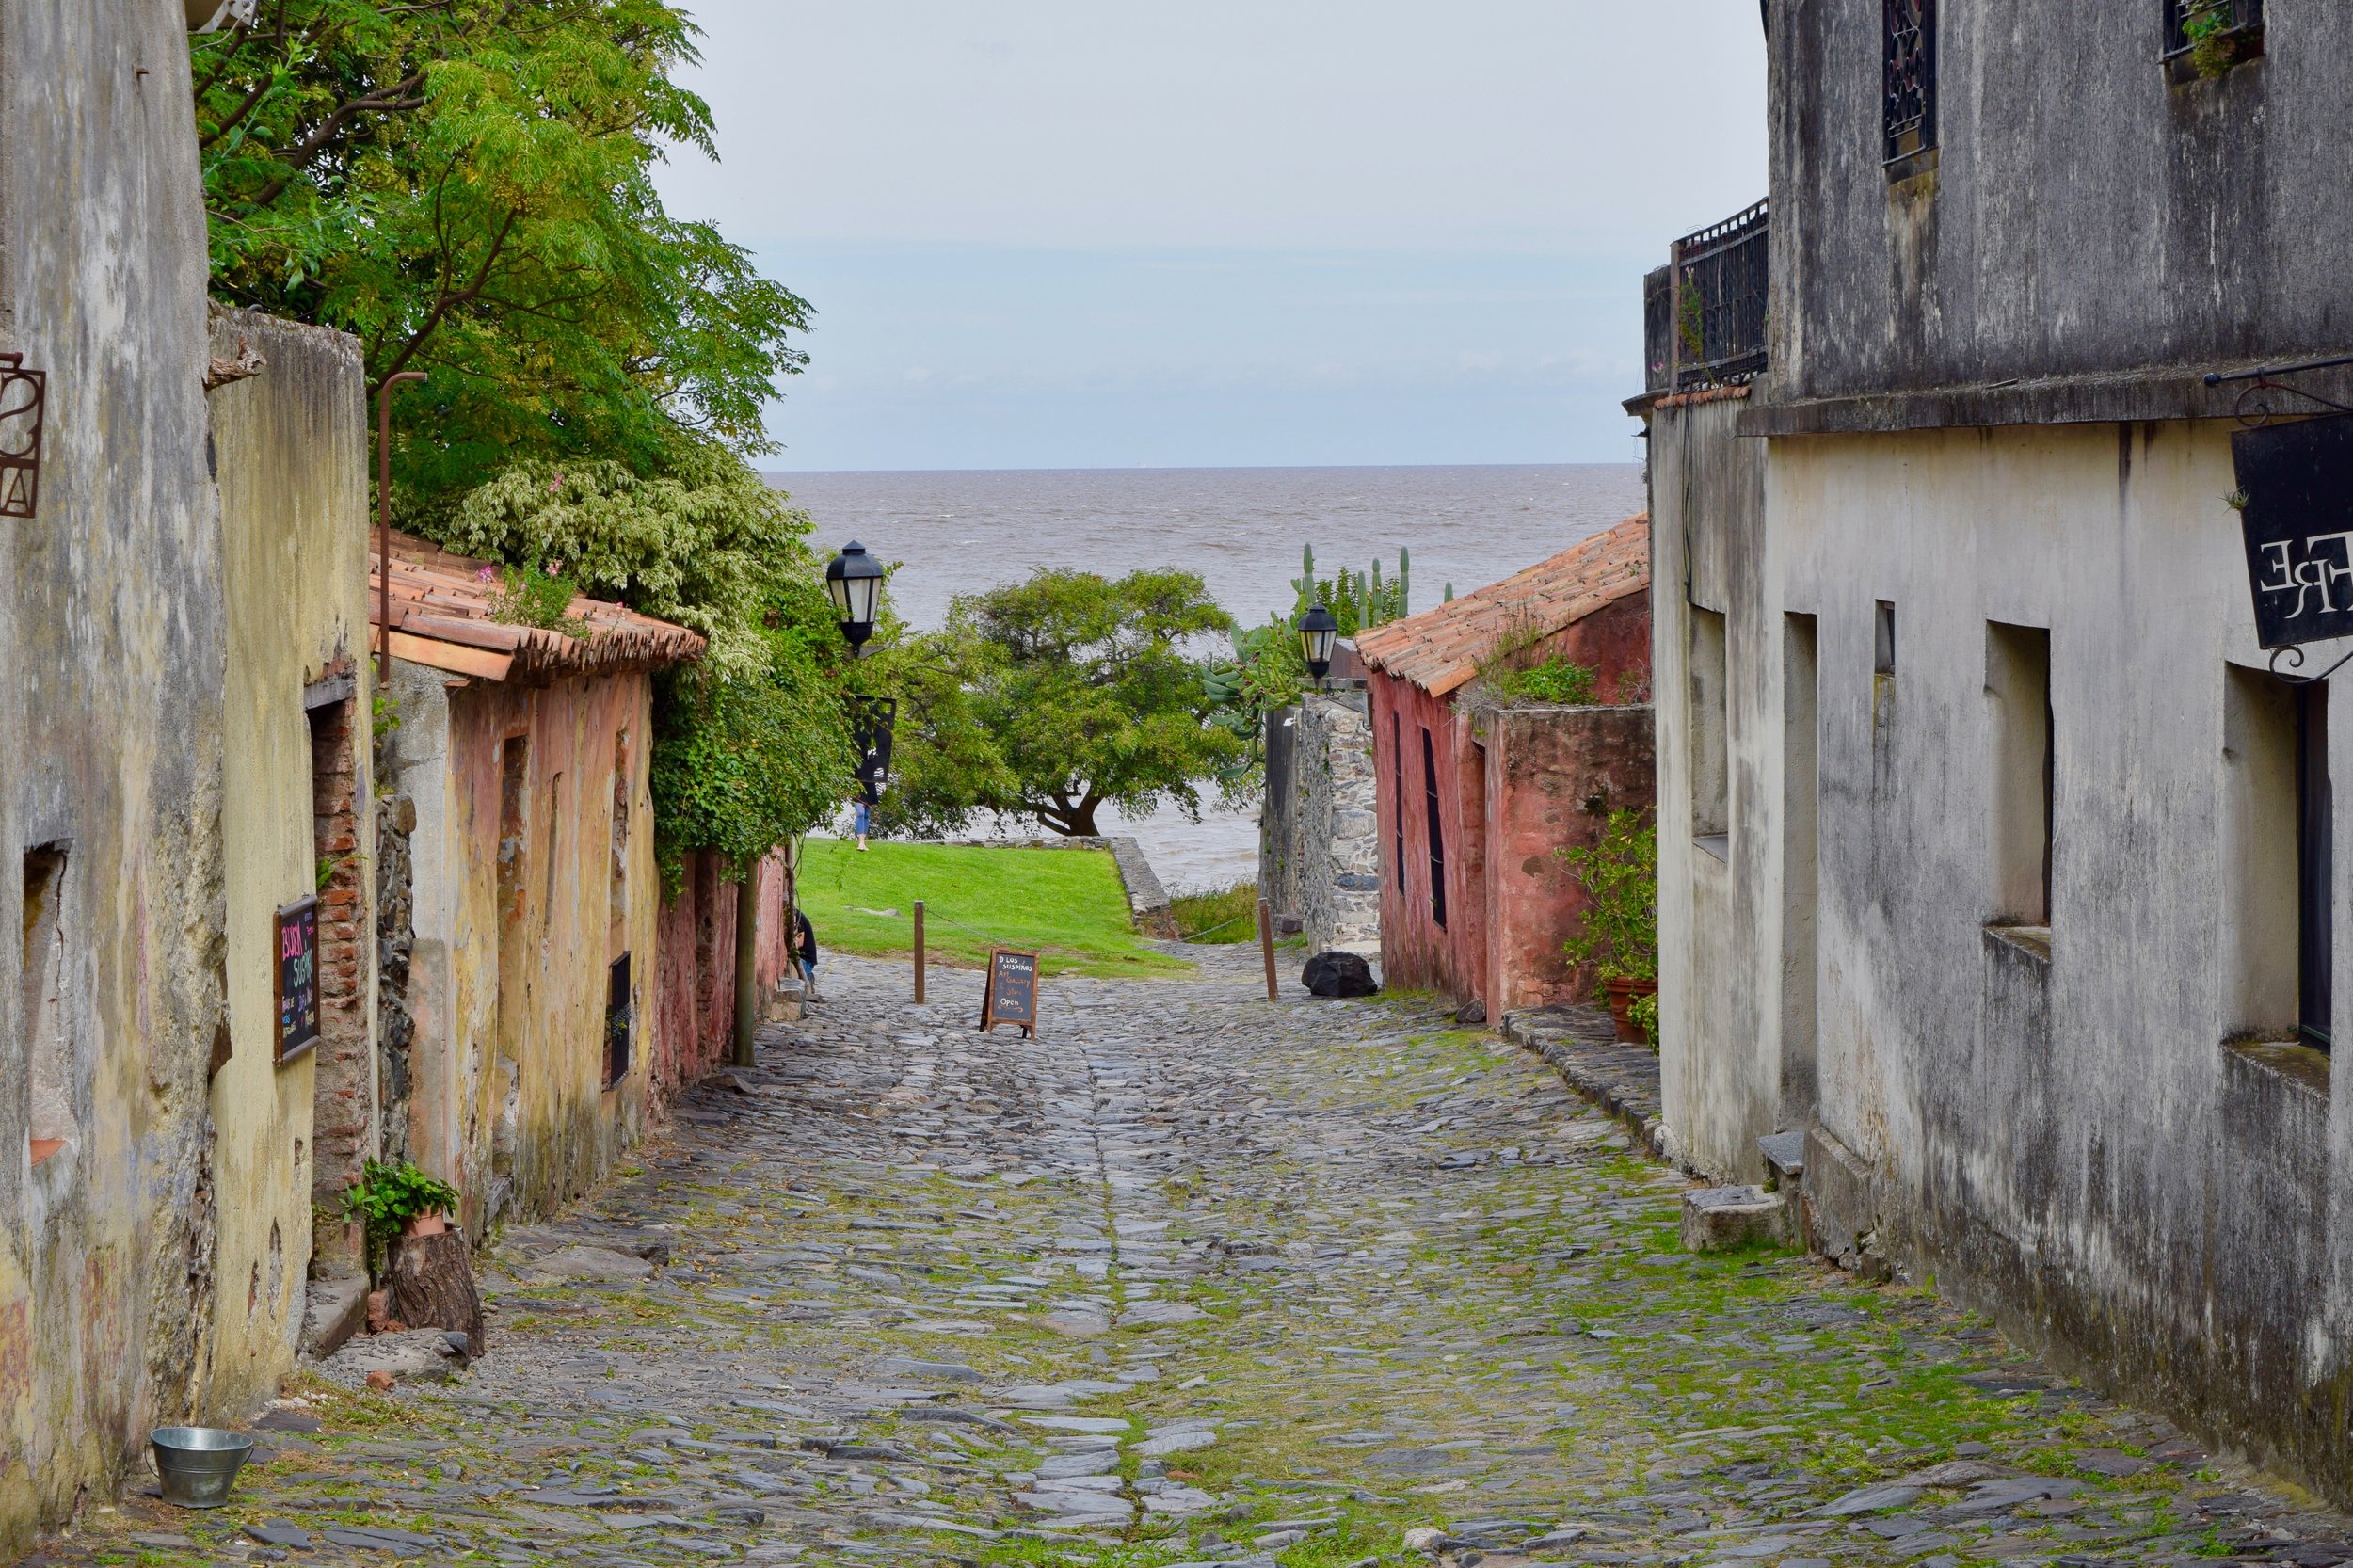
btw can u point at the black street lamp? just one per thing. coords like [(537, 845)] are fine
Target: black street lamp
[(853, 580), (1318, 630)]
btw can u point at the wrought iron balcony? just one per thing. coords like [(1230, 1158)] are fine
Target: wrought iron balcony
[(1704, 314)]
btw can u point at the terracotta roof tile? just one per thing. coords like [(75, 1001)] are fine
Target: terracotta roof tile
[(441, 618), (1439, 649)]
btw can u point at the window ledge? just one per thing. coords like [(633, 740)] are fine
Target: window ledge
[(1717, 844), (2300, 1065), (2032, 940)]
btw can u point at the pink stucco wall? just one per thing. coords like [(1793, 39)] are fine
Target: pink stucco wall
[(1510, 793), (696, 1006)]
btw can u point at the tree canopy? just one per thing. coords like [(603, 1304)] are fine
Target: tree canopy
[(1056, 697), (466, 186)]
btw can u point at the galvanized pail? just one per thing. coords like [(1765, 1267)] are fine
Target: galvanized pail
[(199, 1464)]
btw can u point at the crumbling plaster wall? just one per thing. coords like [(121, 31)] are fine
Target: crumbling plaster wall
[(508, 998), (291, 448), (110, 734), (2065, 1141)]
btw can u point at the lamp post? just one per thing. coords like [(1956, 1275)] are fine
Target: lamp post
[(854, 581), (1318, 630)]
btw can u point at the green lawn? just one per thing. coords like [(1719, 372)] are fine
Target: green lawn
[(1065, 905)]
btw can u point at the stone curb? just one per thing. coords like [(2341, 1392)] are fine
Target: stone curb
[(1147, 901), (1581, 1044)]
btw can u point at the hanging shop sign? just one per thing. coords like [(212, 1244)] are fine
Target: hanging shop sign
[(23, 400), (296, 977), (2296, 500)]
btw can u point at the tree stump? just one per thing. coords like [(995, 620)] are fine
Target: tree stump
[(432, 1285)]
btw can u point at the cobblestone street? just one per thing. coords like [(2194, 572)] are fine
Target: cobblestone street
[(1192, 1279)]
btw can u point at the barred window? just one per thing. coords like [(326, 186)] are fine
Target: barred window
[(2218, 33), (1908, 106)]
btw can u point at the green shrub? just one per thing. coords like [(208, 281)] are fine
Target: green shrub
[(1620, 874), (1644, 1012), (1556, 682), (388, 1196)]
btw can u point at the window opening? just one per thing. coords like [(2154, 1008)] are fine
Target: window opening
[(1397, 762), (2211, 36), (1800, 818), (1883, 639), (2316, 862), (1437, 837), (1909, 92), (619, 896), (2017, 691), (1710, 721), (617, 1017), (47, 1029)]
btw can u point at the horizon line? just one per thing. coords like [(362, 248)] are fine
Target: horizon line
[(1190, 468)]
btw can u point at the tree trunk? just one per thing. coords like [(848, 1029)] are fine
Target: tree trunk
[(432, 1285)]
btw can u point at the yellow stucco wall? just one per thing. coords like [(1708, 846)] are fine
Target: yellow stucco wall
[(291, 448)]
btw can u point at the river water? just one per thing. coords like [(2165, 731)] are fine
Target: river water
[(1241, 529)]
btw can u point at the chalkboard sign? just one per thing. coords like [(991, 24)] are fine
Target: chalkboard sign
[(1011, 994), (2295, 495), (296, 968)]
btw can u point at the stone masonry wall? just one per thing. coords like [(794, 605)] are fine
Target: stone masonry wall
[(1338, 824)]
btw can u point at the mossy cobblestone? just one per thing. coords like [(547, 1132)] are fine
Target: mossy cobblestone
[(1188, 1279)]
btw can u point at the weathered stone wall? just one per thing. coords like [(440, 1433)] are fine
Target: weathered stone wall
[(523, 894), (1552, 777), (111, 632), (290, 444), (2187, 230), (1339, 879), (2056, 1128), (395, 946)]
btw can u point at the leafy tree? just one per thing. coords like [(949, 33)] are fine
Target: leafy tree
[(1057, 697), (465, 186)]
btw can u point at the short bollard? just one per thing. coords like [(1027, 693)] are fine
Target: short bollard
[(918, 952), (1266, 947)]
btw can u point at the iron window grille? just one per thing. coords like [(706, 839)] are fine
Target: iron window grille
[(618, 1021), (2236, 25), (1437, 833), (1908, 96), (1703, 314)]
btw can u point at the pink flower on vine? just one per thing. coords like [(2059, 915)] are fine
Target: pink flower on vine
[(488, 575), (556, 484)]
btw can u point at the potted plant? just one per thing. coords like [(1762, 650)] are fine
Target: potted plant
[(1619, 936), (395, 1200)]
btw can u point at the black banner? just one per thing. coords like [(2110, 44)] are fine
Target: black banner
[(2296, 490)]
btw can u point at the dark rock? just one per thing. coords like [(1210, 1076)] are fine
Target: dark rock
[(288, 1420), (2313, 1553), (1338, 974), (276, 1532), (1471, 1012)]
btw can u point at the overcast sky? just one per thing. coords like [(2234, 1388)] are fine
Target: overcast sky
[(1056, 233)]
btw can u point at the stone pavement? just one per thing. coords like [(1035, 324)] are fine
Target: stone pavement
[(1191, 1278)]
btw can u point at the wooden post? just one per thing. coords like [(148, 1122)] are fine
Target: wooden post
[(918, 952), (1266, 947)]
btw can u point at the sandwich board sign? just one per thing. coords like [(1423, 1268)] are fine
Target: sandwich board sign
[(1010, 996)]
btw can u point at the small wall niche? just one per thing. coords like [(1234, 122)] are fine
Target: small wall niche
[(1711, 741), (48, 1018)]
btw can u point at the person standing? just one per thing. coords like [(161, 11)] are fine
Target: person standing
[(805, 949)]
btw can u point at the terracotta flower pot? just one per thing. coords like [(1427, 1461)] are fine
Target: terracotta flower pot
[(1621, 994), (434, 1224)]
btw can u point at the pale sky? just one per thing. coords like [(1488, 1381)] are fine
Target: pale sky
[(1287, 231)]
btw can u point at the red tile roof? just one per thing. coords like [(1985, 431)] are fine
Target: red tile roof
[(1439, 649), (441, 618)]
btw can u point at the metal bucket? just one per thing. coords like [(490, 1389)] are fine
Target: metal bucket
[(199, 1464)]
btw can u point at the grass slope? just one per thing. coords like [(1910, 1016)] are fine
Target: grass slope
[(1065, 905)]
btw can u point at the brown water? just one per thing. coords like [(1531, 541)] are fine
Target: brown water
[(1241, 529)]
